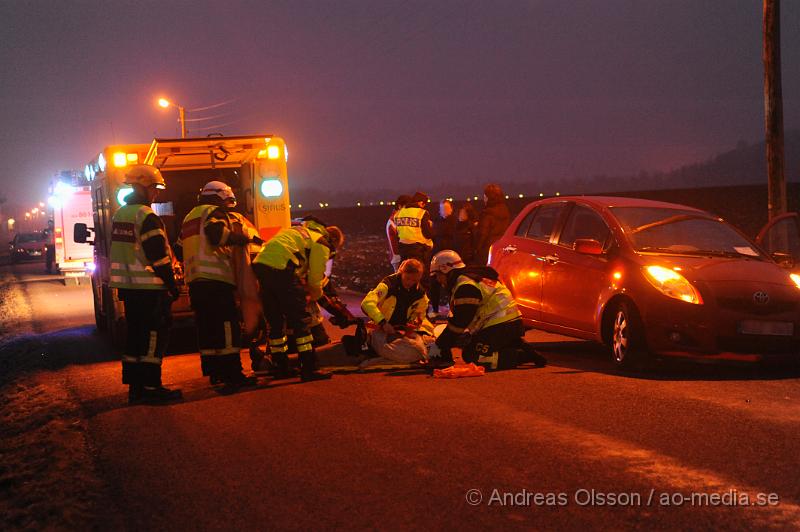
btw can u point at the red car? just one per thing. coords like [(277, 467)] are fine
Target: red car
[(28, 246), (647, 277)]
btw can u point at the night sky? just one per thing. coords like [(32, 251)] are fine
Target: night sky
[(374, 94)]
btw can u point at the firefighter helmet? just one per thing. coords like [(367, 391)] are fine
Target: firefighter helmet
[(446, 260), (220, 190), (146, 176)]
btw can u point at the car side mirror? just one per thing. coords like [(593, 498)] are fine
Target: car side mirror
[(81, 234), (784, 260), (588, 246)]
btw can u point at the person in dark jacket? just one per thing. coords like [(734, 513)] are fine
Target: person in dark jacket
[(494, 219), (466, 233), (444, 230)]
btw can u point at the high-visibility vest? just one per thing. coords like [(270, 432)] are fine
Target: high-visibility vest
[(380, 302), (129, 266), (201, 259), (409, 226), (496, 306), (293, 245)]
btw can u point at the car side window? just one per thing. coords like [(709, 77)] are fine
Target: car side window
[(522, 228), (584, 223), (544, 222)]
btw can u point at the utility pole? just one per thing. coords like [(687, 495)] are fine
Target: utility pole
[(773, 109), (182, 116)]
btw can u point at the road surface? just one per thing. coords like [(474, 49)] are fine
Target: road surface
[(572, 445)]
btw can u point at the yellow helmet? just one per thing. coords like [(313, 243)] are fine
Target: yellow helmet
[(145, 175)]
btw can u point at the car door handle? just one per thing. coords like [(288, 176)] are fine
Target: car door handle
[(551, 259), (509, 249)]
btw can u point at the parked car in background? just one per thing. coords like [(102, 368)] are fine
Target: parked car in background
[(648, 277), (28, 246)]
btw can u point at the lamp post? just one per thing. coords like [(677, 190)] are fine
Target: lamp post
[(163, 102)]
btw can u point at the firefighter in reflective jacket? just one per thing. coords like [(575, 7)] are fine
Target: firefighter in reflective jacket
[(207, 239), (141, 271), (482, 305), (290, 266)]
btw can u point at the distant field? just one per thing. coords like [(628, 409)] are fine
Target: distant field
[(364, 260)]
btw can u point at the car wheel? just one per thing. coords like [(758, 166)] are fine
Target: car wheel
[(627, 337)]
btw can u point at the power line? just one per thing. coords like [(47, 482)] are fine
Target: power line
[(215, 126), (214, 117), (214, 106)]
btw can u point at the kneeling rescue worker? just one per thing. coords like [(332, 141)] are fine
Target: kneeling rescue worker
[(483, 305), (207, 237), (141, 271), (291, 265)]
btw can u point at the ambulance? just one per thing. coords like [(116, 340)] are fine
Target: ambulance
[(253, 166), (71, 202)]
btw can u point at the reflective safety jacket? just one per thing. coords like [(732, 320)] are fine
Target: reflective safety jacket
[(130, 268), (495, 306), (478, 301), (380, 303), (409, 226), (304, 246), (201, 259)]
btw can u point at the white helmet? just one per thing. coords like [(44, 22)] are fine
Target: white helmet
[(221, 190), (446, 260)]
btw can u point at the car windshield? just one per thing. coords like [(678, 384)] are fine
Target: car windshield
[(683, 232), (30, 237)]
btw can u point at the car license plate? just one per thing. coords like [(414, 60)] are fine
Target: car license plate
[(766, 328), (35, 253)]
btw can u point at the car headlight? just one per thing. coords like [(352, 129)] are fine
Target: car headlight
[(796, 279), (672, 284)]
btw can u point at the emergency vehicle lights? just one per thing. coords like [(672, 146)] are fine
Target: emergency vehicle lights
[(122, 194), (132, 157), (273, 152), (101, 163), (120, 159), (271, 188)]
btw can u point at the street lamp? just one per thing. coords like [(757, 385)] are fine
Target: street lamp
[(163, 102)]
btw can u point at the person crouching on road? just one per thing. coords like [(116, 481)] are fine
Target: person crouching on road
[(290, 266), (141, 271), (397, 307), (207, 237), (482, 305)]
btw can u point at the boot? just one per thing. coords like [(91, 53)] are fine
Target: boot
[(135, 392), (240, 380), (308, 368), (152, 394), (529, 354), (280, 366)]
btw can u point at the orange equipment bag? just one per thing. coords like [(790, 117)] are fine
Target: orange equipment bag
[(459, 370)]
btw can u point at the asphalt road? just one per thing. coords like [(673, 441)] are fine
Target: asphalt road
[(572, 445)]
